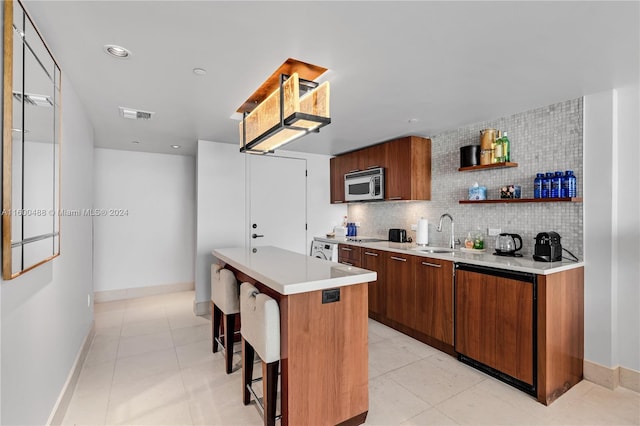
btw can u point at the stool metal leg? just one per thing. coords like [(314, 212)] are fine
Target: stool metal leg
[(216, 315), (247, 370), (229, 325), (270, 391)]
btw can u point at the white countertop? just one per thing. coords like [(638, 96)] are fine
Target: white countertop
[(521, 264), (288, 272)]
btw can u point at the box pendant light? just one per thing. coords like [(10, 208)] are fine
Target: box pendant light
[(287, 106)]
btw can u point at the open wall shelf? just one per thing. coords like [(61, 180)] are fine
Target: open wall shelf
[(524, 200), (487, 166)]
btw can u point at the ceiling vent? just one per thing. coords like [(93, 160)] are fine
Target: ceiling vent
[(134, 114)]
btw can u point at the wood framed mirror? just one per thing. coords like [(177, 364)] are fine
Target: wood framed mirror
[(30, 146)]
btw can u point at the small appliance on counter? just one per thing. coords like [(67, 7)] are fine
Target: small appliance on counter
[(397, 235), (548, 247), (508, 245)]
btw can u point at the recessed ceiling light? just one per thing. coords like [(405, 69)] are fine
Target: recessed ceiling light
[(175, 146), (199, 71), (412, 120), (117, 51), (135, 141)]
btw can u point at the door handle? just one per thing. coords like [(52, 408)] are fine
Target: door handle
[(398, 258), (371, 254), (257, 236), (433, 265)]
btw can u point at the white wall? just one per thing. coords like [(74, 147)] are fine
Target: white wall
[(153, 244), (45, 316), (628, 235), (221, 203), (612, 228)]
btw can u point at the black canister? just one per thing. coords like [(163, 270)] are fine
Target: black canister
[(470, 155)]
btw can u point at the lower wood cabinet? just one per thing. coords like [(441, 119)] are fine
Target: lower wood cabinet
[(350, 255), (434, 298), (374, 260), (400, 286), (494, 323)]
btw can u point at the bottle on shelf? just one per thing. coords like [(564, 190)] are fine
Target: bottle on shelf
[(506, 148), (537, 185), (556, 185), (546, 185), (498, 152), (569, 185)]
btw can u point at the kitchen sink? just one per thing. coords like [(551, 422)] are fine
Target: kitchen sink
[(433, 249)]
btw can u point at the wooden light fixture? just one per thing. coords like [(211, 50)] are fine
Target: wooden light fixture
[(288, 105)]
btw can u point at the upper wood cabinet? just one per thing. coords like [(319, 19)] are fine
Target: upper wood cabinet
[(407, 164)]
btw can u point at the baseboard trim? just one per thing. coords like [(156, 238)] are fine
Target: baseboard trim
[(611, 377), (133, 293), (202, 308), (60, 408), (630, 379)]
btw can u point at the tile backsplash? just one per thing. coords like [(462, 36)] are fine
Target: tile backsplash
[(542, 140)]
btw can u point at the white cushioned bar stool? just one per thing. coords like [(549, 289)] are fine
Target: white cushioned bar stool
[(225, 306), (260, 333)]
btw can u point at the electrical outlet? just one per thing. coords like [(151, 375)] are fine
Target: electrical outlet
[(492, 232), (357, 224), (414, 227)]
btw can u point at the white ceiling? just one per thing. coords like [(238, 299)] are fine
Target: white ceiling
[(446, 64)]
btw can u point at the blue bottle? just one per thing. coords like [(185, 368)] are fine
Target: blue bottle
[(570, 187), (556, 185), (546, 185), (349, 229), (537, 185)]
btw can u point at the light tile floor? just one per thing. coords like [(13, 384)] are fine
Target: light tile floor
[(151, 363)]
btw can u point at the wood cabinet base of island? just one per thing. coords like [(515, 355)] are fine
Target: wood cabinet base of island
[(324, 356)]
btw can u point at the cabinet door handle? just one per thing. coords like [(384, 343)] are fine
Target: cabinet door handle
[(347, 249), (394, 198), (398, 258), (434, 265), (371, 254), (347, 263), (338, 202)]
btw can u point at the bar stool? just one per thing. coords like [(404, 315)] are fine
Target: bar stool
[(260, 333), (225, 305)]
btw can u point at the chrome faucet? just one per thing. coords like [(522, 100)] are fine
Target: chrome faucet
[(452, 240)]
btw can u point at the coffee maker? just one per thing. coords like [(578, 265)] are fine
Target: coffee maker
[(548, 247)]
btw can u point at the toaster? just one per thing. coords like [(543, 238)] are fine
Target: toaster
[(397, 235), (548, 247)]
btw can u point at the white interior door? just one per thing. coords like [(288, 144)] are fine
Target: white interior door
[(278, 202)]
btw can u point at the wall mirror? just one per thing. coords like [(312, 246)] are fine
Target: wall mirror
[(31, 146)]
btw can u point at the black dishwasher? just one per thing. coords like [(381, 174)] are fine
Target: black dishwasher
[(495, 313)]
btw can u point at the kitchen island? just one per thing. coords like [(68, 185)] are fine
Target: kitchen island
[(323, 327)]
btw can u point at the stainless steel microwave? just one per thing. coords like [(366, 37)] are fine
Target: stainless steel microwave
[(366, 185)]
